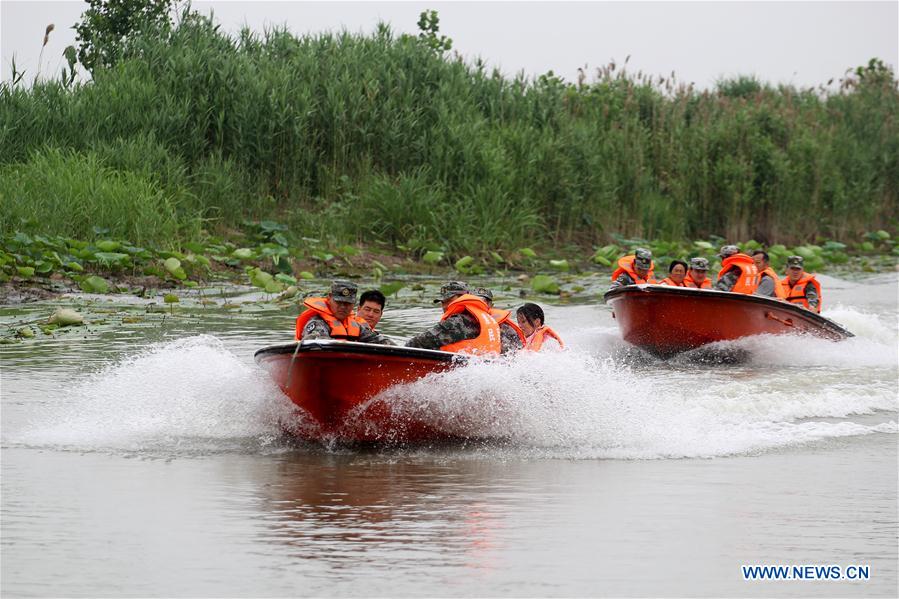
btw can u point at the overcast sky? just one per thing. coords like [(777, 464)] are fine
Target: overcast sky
[(803, 43)]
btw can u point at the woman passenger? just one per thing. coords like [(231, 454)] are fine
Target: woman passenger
[(677, 270), (537, 335)]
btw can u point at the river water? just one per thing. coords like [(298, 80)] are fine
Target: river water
[(144, 458)]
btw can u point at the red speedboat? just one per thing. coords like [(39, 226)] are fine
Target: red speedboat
[(665, 320), (334, 383)]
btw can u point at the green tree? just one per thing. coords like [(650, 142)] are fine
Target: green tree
[(107, 27), (429, 24)]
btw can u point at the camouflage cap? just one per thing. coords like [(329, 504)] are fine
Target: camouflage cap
[(728, 250), (642, 258), (795, 262), (344, 292), (699, 263), (451, 290), (484, 293)]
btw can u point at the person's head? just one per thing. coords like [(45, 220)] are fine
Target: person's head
[(699, 268), (677, 270), (371, 306), (795, 268), (529, 317), (642, 261), (451, 291), (727, 251), (485, 294), (342, 298), (761, 259)]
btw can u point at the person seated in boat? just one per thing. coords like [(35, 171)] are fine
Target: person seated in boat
[(738, 272), (634, 269), (538, 335), (511, 336), (769, 283), (799, 287), (331, 317), (677, 272), (697, 276), (467, 326), (371, 307)]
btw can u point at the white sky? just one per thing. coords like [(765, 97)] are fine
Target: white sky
[(803, 43)]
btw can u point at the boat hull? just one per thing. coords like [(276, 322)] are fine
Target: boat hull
[(667, 320), (333, 382)]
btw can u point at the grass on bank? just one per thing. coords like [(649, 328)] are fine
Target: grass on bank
[(378, 138)]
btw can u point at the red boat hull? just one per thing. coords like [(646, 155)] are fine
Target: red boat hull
[(333, 382), (667, 320)]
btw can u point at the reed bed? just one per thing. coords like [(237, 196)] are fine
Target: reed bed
[(380, 138)]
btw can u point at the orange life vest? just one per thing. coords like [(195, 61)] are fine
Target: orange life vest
[(749, 273), (626, 265), (795, 294), (361, 320), (488, 340), (778, 290), (318, 306), (504, 317), (689, 282), (535, 341), (668, 281)]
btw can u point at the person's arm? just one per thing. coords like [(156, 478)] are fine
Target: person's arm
[(727, 282), (316, 328), (509, 339), (369, 336), (766, 287), (811, 294), (453, 329), (623, 280)]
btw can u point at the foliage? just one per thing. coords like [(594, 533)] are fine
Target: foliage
[(108, 28)]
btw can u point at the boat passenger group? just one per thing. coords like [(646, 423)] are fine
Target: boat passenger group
[(740, 273), (470, 323)]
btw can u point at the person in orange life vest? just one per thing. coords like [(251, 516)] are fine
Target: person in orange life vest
[(769, 283), (371, 307), (697, 275), (633, 270), (465, 327), (538, 335), (331, 317), (511, 336), (677, 272), (799, 287), (738, 272)]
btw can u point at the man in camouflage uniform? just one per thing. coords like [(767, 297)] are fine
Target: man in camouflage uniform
[(642, 264), (341, 301), (457, 327), (730, 278), (508, 336)]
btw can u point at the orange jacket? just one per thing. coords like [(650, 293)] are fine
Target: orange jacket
[(361, 320), (318, 306), (778, 290), (535, 341), (668, 281), (689, 282), (626, 265), (749, 273), (504, 317), (488, 340), (795, 294)]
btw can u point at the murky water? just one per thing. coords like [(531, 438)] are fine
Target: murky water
[(146, 459)]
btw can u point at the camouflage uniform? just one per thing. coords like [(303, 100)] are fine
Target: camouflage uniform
[(642, 258), (730, 278), (811, 294), (457, 327), (317, 327)]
